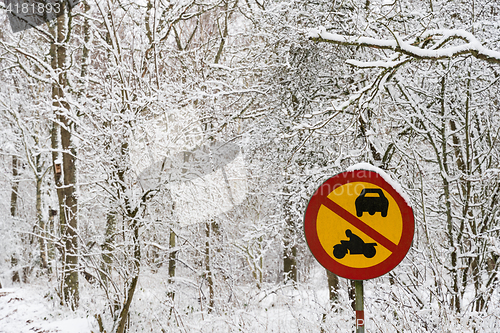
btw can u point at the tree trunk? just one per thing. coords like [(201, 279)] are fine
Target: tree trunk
[(51, 248), (333, 286), (65, 169), (208, 270), (69, 207), (123, 318), (13, 210), (171, 264), (41, 222), (455, 297), (108, 247), (290, 234), (15, 186), (289, 260)]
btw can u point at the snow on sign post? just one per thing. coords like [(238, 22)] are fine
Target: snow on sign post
[(359, 225)]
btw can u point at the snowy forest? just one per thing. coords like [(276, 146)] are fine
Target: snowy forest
[(157, 158)]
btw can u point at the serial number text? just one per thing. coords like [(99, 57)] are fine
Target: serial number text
[(34, 8)]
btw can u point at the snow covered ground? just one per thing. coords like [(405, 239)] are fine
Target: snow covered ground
[(28, 308), (25, 310), (275, 308)]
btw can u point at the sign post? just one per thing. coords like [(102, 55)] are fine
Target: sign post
[(359, 226), (359, 307)]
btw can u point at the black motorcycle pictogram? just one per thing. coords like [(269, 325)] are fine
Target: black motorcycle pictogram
[(355, 245), (371, 204)]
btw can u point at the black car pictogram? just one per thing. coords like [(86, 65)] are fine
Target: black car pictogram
[(370, 203), (355, 245)]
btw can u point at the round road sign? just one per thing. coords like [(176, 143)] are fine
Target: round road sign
[(358, 225)]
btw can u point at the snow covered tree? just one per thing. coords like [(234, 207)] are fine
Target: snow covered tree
[(434, 84)]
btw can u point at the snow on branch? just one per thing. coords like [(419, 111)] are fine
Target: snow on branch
[(376, 64), (436, 39)]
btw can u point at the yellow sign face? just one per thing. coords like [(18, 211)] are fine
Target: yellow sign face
[(372, 205)]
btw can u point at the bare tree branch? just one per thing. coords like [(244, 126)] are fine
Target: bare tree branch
[(436, 38)]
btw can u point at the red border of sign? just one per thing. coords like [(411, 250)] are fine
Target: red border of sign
[(324, 258)]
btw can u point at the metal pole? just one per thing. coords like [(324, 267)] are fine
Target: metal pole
[(359, 307)]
